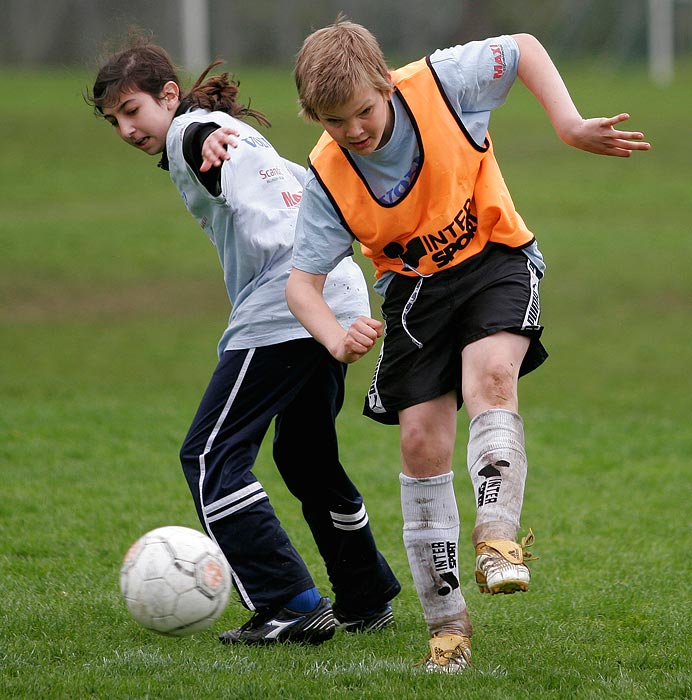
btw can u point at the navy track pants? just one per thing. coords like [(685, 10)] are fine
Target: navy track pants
[(300, 386)]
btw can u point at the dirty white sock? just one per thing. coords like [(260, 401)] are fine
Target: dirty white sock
[(431, 538), (497, 466)]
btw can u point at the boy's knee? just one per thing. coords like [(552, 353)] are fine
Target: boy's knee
[(424, 454), (495, 386)]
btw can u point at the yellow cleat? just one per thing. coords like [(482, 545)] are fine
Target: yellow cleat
[(500, 565), (449, 653)]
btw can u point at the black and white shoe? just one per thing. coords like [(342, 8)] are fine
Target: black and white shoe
[(364, 623), (286, 625)]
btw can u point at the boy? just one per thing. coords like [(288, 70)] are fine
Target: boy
[(406, 167)]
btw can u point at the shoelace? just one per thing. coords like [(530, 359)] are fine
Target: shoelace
[(452, 655), (528, 541), (456, 653)]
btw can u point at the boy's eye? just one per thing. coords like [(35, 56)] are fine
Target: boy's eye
[(366, 111)]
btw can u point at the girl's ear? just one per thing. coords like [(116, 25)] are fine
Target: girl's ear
[(171, 94)]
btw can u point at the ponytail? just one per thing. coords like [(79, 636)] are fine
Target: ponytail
[(145, 66), (218, 93)]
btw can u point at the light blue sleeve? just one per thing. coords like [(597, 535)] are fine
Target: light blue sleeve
[(298, 171), (321, 242), (477, 78)]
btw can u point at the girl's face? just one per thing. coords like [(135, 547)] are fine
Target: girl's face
[(362, 124), (143, 120)]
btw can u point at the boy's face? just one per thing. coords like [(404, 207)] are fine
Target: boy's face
[(142, 120), (361, 124)]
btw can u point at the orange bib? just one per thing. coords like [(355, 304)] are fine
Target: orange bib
[(457, 200)]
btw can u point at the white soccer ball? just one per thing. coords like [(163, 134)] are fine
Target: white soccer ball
[(175, 581)]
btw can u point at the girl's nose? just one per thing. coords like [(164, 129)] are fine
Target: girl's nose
[(126, 129)]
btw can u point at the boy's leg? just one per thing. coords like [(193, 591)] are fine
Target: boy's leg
[(307, 455), (431, 525), (496, 458)]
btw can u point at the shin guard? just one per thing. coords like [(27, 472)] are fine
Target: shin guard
[(431, 538), (497, 466)]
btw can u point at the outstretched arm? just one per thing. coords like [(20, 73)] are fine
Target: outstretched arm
[(597, 135), (214, 151), (304, 296)]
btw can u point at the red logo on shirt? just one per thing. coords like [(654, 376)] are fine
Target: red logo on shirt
[(499, 58), (292, 199)]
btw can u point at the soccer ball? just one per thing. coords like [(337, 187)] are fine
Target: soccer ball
[(175, 581)]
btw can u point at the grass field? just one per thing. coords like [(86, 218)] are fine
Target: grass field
[(111, 303)]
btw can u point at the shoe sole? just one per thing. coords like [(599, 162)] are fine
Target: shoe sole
[(505, 587)]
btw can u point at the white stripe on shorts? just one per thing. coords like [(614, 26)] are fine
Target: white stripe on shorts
[(374, 400), (533, 309)]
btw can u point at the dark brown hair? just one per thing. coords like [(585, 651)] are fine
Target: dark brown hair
[(144, 66)]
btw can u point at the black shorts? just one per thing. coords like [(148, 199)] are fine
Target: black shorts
[(428, 321)]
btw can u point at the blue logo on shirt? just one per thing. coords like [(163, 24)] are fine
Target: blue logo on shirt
[(257, 142)]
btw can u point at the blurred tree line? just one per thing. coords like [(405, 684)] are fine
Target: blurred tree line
[(76, 32)]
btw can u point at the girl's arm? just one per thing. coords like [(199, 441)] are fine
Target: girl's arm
[(214, 151), (598, 135), (306, 302)]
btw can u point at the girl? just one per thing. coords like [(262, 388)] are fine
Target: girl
[(269, 367)]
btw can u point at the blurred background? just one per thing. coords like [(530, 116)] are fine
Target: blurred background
[(76, 32)]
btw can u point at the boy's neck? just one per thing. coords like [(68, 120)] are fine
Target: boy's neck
[(389, 127)]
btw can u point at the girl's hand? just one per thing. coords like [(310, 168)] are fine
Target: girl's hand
[(599, 136), (214, 151)]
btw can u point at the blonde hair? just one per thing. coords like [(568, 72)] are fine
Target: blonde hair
[(336, 61)]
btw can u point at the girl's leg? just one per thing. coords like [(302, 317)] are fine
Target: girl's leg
[(218, 455), (307, 455)]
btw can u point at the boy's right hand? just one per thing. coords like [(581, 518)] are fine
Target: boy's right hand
[(359, 339), (214, 151)]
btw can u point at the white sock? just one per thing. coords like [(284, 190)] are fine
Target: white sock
[(497, 466), (431, 538)]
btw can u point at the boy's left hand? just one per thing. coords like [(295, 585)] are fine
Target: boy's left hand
[(599, 136), (214, 151)]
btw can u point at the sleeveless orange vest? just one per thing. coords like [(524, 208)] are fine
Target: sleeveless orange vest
[(457, 200)]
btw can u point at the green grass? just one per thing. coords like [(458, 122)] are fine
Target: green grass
[(111, 303)]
